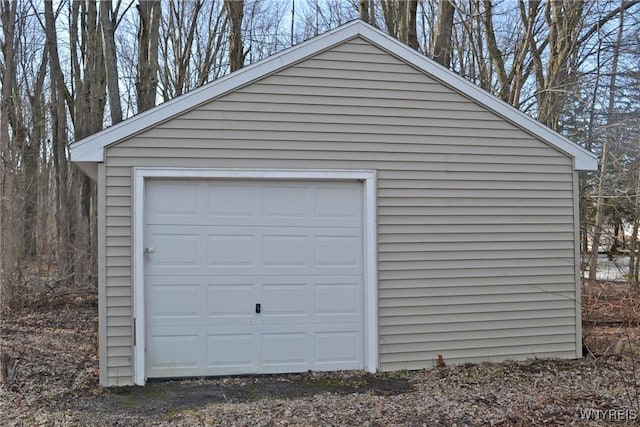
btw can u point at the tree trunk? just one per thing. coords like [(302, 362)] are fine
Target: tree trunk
[(391, 18), (63, 208), (8, 253), (107, 24), (442, 43), (564, 18), (59, 135), (235, 12), (412, 30), (400, 18), (600, 199), (91, 73), (31, 158), (633, 244), (495, 54), (178, 37), (367, 11), (54, 59), (364, 10), (633, 247), (148, 39)]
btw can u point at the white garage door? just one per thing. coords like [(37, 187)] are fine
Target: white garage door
[(252, 277)]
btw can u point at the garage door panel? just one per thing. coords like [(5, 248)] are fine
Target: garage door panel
[(234, 301), (234, 350), (230, 250), (275, 221), (285, 348), (174, 202), (295, 248), (337, 300), (337, 202), (280, 300), (337, 347), (332, 251), (285, 250), (175, 248), (284, 202), (316, 299), (230, 200), (325, 347), (276, 251), (248, 203), (172, 353), (171, 301)]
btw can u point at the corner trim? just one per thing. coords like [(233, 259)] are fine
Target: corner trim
[(102, 276), (577, 261)]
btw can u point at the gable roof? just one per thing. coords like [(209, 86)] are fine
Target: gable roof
[(91, 149)]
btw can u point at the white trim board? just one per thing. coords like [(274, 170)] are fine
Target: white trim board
[(91, 149), (369, 244)]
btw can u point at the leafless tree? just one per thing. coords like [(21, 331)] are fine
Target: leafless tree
[(108, 22), (235, 14), (593, 261), (442, 45), (8, 253), (148, 43)]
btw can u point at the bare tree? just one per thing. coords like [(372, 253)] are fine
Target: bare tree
[(211, 46), (193, 46), (411, 25), (90, 85), (442, 44), (593, 260), (8, 255), (60, 99), (85, 103), (391, 14), (235, 12), (511, 81), (148, 41), (400, 18), (177, 44), (633, 244), (364, 6), (262, 35), (108, 19), (36, 131)]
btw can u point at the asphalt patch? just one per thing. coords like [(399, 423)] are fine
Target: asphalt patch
[(158, 398)]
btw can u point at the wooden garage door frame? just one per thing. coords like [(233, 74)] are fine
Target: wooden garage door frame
[(368, 177)]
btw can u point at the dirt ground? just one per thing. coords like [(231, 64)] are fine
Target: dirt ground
[(53, 380)]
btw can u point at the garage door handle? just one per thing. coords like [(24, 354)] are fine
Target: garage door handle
[(258, 308)]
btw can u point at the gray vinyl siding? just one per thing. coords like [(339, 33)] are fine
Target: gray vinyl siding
[(476, 226)]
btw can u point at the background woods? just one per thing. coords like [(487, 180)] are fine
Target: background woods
[(70, 68)]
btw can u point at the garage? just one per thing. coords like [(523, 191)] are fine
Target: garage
[(251, 276), (344, 204)]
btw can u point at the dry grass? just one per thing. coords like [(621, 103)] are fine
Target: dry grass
[(55, 382)]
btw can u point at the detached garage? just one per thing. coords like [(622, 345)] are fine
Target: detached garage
[(345, 204)]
